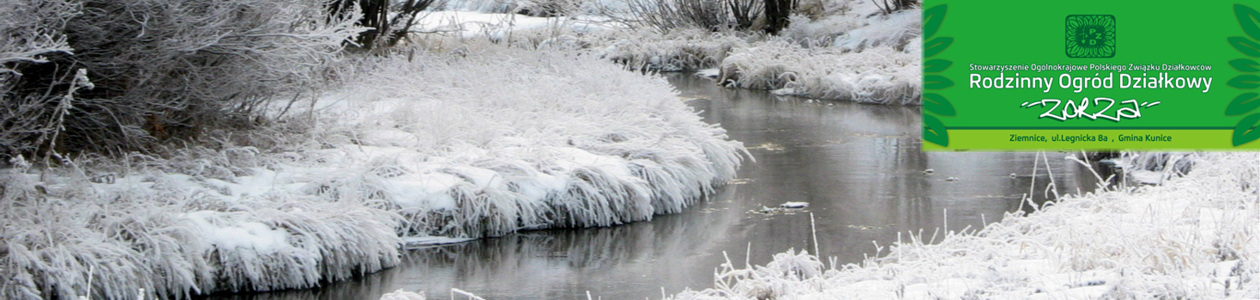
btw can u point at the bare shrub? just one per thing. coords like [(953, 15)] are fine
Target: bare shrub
[(548, 8), (30, 90), (537, 8), (769, 16), (744, 12), (667, 15), (168, 69)]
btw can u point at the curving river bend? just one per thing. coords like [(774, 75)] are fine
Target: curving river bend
[(858, 166)]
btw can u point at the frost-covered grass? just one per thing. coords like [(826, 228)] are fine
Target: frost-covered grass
[(461, 144), (850, 52), (152, 232), (679, 50), (1155, 168), (403, 295), (881, 75), (641, 49), (512, 29), (834, 49), (557, 140), (528, 7), (1193, 237)]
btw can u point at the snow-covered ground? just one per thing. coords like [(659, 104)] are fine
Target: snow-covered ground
[(837, 49), (849, 51), (1193, 237), (426, 148), (459, 139), (513, 139)]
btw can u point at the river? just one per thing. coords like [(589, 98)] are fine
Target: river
[(859, 168)]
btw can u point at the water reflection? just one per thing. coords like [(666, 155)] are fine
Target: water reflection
[(859, 167)]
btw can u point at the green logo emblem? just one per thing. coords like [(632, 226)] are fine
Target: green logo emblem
[(1091, 36)]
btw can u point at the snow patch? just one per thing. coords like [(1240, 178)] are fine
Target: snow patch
[(794, 204), (420, 146), (1191, 237)]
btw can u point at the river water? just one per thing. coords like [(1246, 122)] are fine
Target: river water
[(858, 166)]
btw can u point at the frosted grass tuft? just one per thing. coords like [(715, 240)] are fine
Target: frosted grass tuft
[(438, 146), (1191, 237)]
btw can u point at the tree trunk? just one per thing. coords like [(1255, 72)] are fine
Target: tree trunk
[(777, 12)]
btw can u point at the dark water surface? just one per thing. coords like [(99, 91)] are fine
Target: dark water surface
[(858, 166)]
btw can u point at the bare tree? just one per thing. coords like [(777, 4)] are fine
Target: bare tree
[(777, 13), (387, 21), (745, 12)]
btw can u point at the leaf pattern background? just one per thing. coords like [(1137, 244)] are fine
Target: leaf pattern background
[(934, 130), (1247, 102)]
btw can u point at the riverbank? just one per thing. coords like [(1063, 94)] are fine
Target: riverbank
[(442, 142), (843, 50), (428, 148), (806, 151), (1192, 237)]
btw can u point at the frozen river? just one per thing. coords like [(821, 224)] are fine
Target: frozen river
[(858, 166)]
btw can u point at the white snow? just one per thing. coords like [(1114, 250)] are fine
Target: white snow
[(559, 140), (791, 204), (1193, 237), (846, 51), (500, 26), (433, 147), (712, 73), (253, 236), (401, 294), (678, 50), (419, 241), (838, 49), (882, 75)]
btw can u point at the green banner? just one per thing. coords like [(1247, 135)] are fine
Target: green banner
[(1102, 75)]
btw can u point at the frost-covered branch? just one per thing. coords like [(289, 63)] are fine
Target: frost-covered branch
[(386, 23), (168, 69), (30, 36)]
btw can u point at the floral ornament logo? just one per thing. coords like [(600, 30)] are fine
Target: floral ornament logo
[(1091, 36)]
